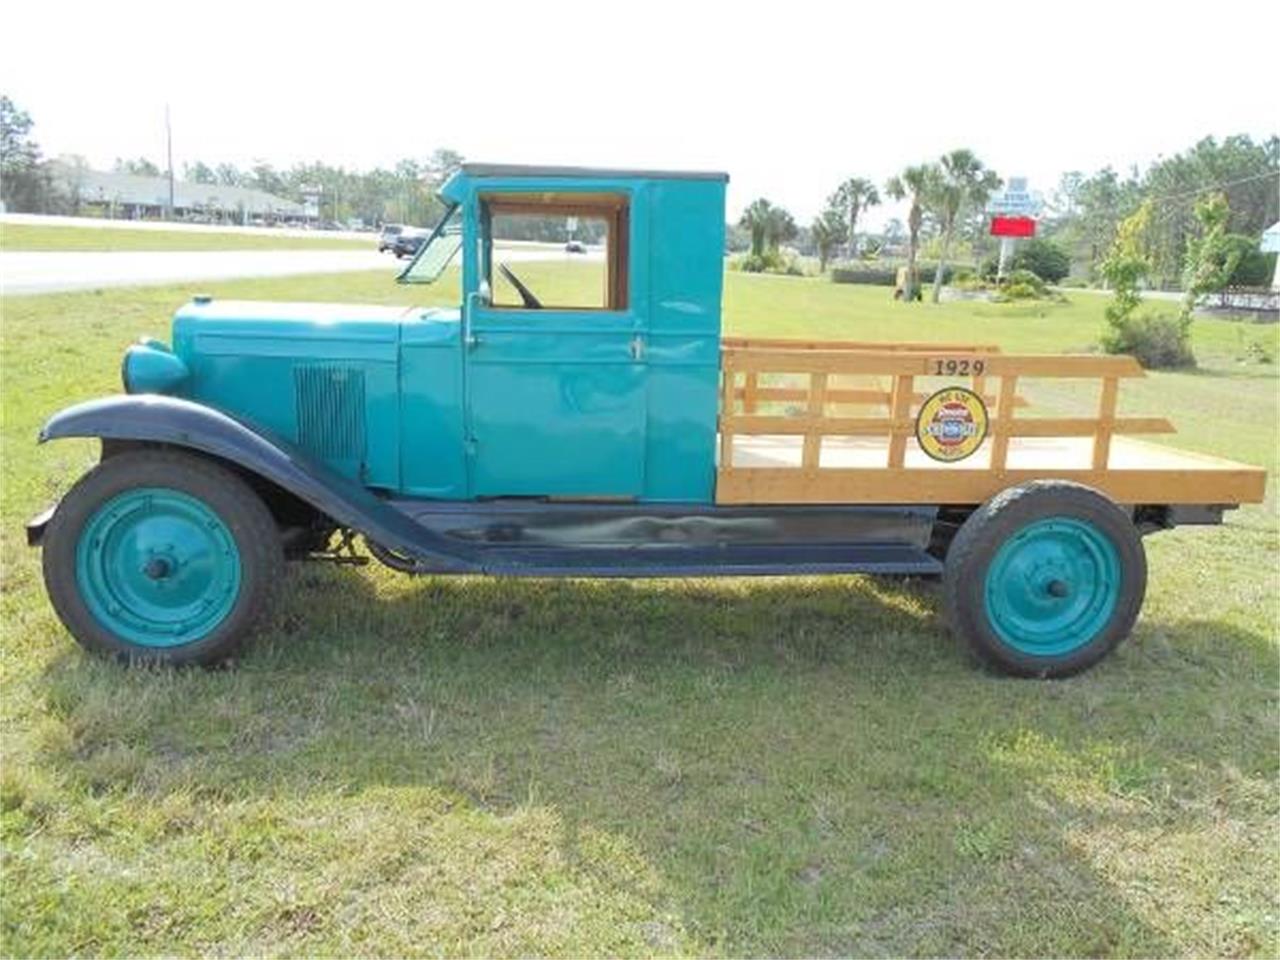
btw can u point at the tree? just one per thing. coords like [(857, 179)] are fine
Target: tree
[(228, 174), (1126, 266), (199, 173), (961, 183), (914, 183), (1066, 198), (1044, 258), (266, 178), (1248, 173), (854, 196), (736, 238), (1212, 257), (141, 167), (757, 219), (1158, 340), (70, 170), (442, 164), (781, 228), (1104, 200), (25, 183), (828, 231)]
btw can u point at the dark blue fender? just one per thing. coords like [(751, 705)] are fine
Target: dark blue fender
[(881, 540), (182, 423)]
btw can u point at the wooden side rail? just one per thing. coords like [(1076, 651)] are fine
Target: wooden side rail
[(906, 346), (753, 392), (904, 371)]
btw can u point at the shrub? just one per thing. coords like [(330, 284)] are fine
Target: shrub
[(876, 276), (1158, 341), (1045, 259), (1018, 291), (1074, 283), (886, 276), (771, 261), (927, 271), (1023, 285), (1255, 269)]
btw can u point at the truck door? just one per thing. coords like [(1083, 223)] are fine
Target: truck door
[(555, 348)]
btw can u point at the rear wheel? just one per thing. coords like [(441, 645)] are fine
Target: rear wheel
[(162, 555), (1045, 579)]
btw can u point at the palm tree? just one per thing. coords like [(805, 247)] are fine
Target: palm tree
[(781, 227), (963, 182), (828, 232), (917, 183), (854, 195), (757, 218)]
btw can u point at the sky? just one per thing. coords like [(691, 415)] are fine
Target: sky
[(788, 98)]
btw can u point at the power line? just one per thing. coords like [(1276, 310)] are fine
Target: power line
[(1215, 186)]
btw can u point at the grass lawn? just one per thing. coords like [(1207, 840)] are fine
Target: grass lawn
[(32, 237), (802, 767)]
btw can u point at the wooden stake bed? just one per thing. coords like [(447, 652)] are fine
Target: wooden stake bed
[(835, 422)]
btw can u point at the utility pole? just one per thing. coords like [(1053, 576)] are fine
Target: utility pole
[(168, 136)]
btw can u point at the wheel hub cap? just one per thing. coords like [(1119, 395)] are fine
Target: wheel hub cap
[(1053, 586), (157, 567)]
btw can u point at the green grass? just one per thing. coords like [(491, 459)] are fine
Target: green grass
[(805, 766), (32, 237)]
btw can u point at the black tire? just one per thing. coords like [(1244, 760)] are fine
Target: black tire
[(993, 525), (241, 511)]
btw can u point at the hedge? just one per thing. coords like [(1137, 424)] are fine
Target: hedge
[(887, 276)]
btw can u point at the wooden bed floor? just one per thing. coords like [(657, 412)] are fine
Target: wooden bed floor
[(1041, 454)]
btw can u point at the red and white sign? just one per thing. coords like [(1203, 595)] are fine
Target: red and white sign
[(1013, 227)]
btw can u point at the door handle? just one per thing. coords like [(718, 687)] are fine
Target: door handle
[(637, 347), (469, 339)]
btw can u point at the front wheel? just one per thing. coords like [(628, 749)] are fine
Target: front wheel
[(162, 555), (1045, 579)]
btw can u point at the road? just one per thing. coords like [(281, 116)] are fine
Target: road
[(1170, 295), (24, 272), (101, 223)]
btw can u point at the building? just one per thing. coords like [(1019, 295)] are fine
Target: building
[(132, 197), (1271, 244)]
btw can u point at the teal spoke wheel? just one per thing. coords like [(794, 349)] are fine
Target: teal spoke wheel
[(162, 555), (157, 567), (1045, 579), (1053, 586)]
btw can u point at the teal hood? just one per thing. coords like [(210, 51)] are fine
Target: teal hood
[(326, 376)]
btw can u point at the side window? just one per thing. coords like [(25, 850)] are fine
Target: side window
[(563, 251)]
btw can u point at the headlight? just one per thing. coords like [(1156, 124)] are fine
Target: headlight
[(151, 367)]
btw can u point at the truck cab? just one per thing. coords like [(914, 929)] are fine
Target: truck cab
[(603, 385)]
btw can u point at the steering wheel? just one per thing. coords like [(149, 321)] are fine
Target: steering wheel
[(530, 301)]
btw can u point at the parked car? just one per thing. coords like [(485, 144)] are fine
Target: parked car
[(575, 246), (408, 242), (387, 238)]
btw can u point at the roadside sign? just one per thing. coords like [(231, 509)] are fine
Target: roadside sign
[(1013, 227), (1016, 200)]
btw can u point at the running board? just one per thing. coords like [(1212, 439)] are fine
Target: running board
[(756, 560)]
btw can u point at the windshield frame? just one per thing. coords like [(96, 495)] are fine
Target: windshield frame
[(440, 229)]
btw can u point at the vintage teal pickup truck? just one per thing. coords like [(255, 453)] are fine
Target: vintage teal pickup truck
[(605, 428)]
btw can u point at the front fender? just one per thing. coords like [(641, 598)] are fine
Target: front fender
[(155, 418)]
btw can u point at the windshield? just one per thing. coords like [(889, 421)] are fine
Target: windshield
[(434, 255)]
